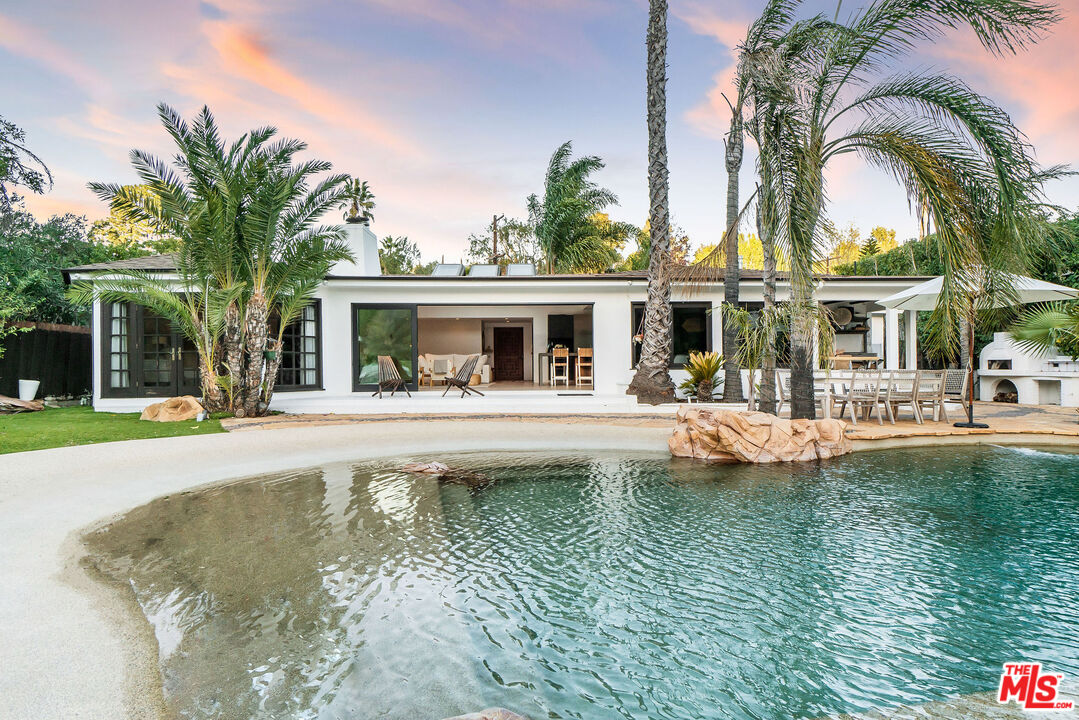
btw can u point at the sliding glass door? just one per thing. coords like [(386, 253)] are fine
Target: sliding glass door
[(382, 330)]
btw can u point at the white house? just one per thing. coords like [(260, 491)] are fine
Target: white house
[(329, 361)]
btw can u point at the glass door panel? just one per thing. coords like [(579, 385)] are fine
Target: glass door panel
[(382, 330), (158, 355)]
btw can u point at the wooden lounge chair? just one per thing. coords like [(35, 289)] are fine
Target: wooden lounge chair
[(463, 377), (389, 377)]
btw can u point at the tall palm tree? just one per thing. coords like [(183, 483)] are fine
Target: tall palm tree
[(936, 136), (569, 221), (246, 216), (652, 381)]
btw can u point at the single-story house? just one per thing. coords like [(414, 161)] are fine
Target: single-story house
[(429, 323)]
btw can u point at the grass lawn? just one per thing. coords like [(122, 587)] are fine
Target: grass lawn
[(82, 426)]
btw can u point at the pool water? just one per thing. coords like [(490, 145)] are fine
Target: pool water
[(609, 586)]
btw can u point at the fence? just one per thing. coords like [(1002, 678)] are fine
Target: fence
[(56, 355)]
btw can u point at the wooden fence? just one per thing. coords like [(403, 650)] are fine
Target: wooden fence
[(56, 355)]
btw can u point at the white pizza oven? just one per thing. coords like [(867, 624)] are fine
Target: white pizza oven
[(1007, 373)]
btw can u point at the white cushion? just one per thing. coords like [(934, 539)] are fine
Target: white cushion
[(441, 364)]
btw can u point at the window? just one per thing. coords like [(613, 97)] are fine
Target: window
[(382, 330), (300, 366), (117, 321), (691, 331)]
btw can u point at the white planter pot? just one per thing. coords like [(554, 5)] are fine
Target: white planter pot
[(28, 389)]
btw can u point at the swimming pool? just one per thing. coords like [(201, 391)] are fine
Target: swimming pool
[(609, 586)]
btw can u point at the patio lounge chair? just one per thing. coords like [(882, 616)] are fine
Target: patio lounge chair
[(463, 377), (389, 377)]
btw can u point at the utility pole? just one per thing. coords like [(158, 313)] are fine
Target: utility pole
[(494, 238)]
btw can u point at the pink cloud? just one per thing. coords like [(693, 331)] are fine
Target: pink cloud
[(27, 42), (709, 20), (245, 55)]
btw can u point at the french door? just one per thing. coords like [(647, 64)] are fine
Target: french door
[(168, 363)]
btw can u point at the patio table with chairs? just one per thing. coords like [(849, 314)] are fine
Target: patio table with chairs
[(861, 394)]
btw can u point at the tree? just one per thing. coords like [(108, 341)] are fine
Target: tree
[(124, 238), (935, 135), (246, 215), (652, 381), (638, 259), (358, 202), (397, 255), (18, 165), (516, 244), (569, 222)]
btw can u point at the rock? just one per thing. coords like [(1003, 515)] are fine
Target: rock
[(431, 468), (490, 714), (173, 410), (755, 437)]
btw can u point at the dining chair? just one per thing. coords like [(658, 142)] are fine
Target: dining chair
[(932, 385), (901, 388), (560, 365), (864, 395), (584, 366)]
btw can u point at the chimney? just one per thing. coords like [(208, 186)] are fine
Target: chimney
[(364, 247)]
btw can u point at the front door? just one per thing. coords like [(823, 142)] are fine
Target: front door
[(168, 362), (509, 353)]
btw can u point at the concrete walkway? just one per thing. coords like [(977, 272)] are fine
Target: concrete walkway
[(72, 647)]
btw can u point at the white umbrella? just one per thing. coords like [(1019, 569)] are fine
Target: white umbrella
[(1026, 290)]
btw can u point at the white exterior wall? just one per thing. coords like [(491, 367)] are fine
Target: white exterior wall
[(609, 298)]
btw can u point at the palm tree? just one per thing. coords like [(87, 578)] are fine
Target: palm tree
[(573, 231), (1045, 328), (246, 216), (358, 202), (652, 381), (936, 136)]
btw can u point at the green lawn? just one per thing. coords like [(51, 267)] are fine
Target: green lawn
[(82, 426)]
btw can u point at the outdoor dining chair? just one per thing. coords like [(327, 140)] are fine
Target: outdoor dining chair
[(955, 386), (560, 365), (389, 377), (463, 378), (930, 395), (584, 366), (901, 388), (863, 395)]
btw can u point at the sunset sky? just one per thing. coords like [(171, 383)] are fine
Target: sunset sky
[(450, 108)]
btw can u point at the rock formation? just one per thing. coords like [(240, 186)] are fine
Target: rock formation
[(173, 410), (755, 437), (490, 714)]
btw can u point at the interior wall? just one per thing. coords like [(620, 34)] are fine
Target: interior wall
[(446, 336)]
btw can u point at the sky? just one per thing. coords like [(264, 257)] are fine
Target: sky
[(452, 108)]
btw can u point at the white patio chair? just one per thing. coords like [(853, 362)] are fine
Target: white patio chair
[(901, 388), (931, 387)]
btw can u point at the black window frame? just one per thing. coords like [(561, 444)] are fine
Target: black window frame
[(105, 352), (413, 384), (318, 385), (634, 325)]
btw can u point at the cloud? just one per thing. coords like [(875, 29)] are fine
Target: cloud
[(247, 56), (708, 20), (26, 42)]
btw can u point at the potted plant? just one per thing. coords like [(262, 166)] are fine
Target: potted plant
[(359, 202), (703, 369)]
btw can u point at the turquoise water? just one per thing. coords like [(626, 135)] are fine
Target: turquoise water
[(610, 586)]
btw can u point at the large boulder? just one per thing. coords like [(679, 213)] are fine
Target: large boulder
[(755, 437), (490, 714), (173, 410)]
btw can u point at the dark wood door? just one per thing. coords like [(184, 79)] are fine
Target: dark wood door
[(509, 361)]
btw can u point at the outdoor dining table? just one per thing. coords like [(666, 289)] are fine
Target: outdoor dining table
[(868, 362), (545, 365)]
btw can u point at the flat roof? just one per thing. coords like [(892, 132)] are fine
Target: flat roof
[(164, 263)]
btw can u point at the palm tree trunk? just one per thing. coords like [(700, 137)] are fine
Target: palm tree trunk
[(803, 330), (213, 400), (652, 382), (768, 362), (233, 344), (272, 366), (734, 150), (255, 332)]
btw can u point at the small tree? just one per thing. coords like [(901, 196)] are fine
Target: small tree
[(358, 202)]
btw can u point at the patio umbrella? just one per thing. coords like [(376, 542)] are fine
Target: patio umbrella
[(1027, 290)]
